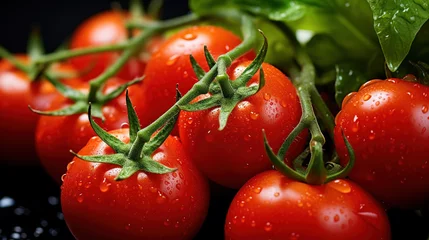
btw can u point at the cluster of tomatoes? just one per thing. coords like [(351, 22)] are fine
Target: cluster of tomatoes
[(386, 123)]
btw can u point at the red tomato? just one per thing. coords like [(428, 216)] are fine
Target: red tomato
[(56, 136), (171, 65), (144, 206), (16, 120), (103, 29), (232, 156), (272, 206), (386, 122)]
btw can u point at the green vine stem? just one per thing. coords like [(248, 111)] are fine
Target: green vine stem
[(13, 60), (316, 172)]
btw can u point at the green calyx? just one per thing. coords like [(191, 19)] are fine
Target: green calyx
[(317, 171), (422, 71), (135, 155), (225, 93)]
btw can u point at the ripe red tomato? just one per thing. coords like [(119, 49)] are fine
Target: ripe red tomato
[(171, 65), (16, 120), (103, 29), (144, 206), (232, 156), (272, 206), (56, 136), (387, 123)]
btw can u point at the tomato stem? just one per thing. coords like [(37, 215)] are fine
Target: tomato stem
[(13, 60)]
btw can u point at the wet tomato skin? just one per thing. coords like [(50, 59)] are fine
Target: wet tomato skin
[(105, 28), (272, 206), (232, 156), (144, 206), (170, 65), (18, 92), (57, 135), (387, 124)]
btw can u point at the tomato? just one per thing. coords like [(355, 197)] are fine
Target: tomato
[(17, 122), (170, 65), (56, 136), (103, 29), (232, 156), (272, 206), (144, 206), (386, 122)]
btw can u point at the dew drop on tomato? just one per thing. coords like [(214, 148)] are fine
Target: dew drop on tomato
[(267, 96), (189, 36), (254, 115), (340, 185), (104, 185), (172, 60), (257, 190), (268, 227), (79, 198)]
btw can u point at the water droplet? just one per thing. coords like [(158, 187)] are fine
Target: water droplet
[(371, 135), (172, 60), (80, 198), (254, 115), (283, 103), (243, 219), (189, 36), (80, 183), (326, 218), (340, 185), (178, 186), (69, 165), (185, 74), (104, 185), (161, 198), (423, 130), (125, 125), (128, 226), (190, 120), (153, 189), (336, 218), (268, 226), (167, 222), (209, 137), (377, 103), (87, 185), (300, 204), (276, 194), (253, 223), (366, 97), (267, 96), (424, 109), (250, 198), (247, 137), (242, 203), (294, 236), (63, 177), (257, 190), (355, 127), (234, 220)]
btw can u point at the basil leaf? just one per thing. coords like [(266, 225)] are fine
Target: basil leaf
[(349, 79), (397, 24)]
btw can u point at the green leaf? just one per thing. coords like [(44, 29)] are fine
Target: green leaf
[(35, 47), (156, 167), (109, 139), (156, 141), (349, 79), (65, 90), (203, 104), (209, 57), (117, 159), (253, 67), (118, 91), (132, 119), (397, 24), (199, 71), (78, 107)]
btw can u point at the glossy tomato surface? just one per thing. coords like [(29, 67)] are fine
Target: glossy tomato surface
[(105, 28), (272, 206), (57, 135), (170, 65), (144, 206), (17, 122), (387, 124), (232, 156)]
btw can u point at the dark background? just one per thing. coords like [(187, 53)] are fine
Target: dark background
[(29, 204)]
